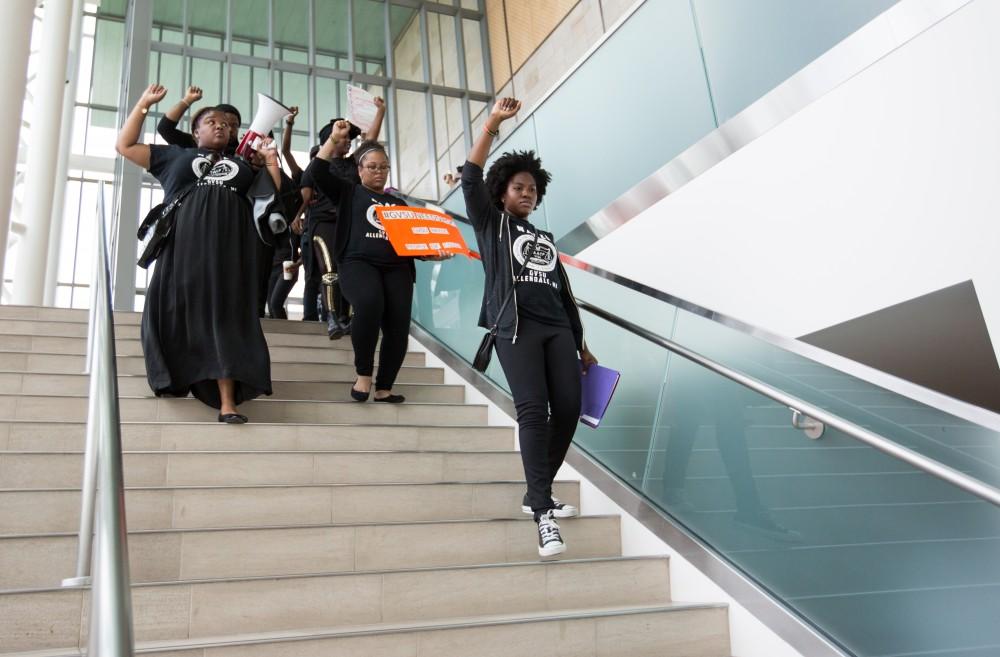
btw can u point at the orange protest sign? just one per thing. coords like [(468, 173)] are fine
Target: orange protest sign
[(421, 231)]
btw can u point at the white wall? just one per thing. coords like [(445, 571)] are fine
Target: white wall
[(885, 189)]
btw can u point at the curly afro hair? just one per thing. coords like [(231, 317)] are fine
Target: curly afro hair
[(510, 164)]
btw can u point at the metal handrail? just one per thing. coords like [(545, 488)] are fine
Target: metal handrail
[(102, 558), (805, 416), (811, 411)]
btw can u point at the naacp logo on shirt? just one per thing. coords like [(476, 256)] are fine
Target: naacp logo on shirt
[(222, 171), (543, 257), (373, 219)]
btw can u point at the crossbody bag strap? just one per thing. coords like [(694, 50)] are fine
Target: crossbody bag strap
[(149, 222), (510, 293)]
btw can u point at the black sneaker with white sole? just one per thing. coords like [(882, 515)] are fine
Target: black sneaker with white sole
[(559, 509), (550, 541)]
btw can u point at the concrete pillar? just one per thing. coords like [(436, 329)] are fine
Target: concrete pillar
[(139, 25), (62, 164), (43, 154), (15, 35)]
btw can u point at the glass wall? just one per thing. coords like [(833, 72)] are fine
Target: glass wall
[(673, 72), (881, 558), (302, 52)]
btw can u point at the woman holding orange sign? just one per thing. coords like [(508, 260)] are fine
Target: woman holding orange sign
[(375, 279)]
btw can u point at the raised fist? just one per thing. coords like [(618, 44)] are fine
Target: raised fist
[(193, 95), (153, 94)]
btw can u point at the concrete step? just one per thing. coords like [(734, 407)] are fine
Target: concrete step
[(133, 385), (41, 561), (177, 611), (319, 353), (44, 511), (28, 436), (62, 314), (41, 408), (47, 363), (674, 630), (39, 470), (126, 318), (15, 328)]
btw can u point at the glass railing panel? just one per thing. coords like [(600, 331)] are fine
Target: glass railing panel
[(751, 47), (638, 102), (951, 440), (874, 553)]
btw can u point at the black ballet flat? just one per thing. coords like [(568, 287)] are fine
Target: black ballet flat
[(391, 399), (233, 418), (359, 396)]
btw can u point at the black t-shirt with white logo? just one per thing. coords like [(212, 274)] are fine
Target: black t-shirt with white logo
[(538, 287), (176, 168), (368, 240)]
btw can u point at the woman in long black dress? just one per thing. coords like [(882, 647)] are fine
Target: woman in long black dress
[(200, 332)]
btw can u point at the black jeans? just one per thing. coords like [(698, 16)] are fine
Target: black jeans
[(381, 297), (543, 371), (332, 298), (310, 290)]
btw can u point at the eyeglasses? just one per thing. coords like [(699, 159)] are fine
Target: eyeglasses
[(380, 168)]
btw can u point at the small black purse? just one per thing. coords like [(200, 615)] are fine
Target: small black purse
[(161, 219), (485, 351)]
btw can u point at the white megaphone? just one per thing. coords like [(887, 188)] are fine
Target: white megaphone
[(269, 112)]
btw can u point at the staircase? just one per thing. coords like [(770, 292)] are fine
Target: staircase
[(324, 527)]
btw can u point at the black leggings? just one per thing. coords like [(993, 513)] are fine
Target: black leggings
[(332, 297), (381, 297), (543, 371), (278, 288), (265, 254)]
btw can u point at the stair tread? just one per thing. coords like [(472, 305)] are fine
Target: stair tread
[(363, 573), (322, 343), (273, 380), (259, 400), (80, 452), (221, 426), (453, 622), (249, 486), (140, 357), (327, 525), (296, 327)]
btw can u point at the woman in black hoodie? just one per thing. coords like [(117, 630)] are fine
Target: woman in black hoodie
[(540, 335)]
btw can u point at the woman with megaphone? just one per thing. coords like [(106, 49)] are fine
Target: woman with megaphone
[(200, 331)]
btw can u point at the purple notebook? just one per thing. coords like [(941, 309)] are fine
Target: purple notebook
[(599, 385)]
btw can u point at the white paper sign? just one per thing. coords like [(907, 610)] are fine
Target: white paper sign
[(361, 107)]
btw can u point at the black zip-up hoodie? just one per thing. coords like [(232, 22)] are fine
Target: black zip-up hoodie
[(492, 228)]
